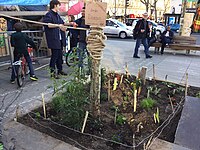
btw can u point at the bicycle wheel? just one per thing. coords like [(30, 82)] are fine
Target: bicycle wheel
[(71, 57), (20, 76)]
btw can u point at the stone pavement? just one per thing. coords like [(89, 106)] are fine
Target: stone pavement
[(188, 131), (117, 54)]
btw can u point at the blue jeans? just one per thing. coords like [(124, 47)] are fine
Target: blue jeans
[(81, 51), (145, 44), (28, 60)]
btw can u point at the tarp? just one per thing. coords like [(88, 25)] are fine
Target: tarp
[(24, 2)]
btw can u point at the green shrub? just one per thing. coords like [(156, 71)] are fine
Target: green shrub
[(1, 146), (148, 103), (70, 105), (120, 119)]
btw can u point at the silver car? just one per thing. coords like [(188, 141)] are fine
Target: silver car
[(116, 28)]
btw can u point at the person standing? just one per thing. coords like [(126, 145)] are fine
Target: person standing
[(141, 32), (82, 34), (56, 38), (166, 38)]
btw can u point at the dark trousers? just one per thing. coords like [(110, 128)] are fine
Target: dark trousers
[(151, 40), (28, 60), (165, 40), (56, 60), (145, 44)]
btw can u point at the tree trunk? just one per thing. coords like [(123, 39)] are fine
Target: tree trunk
[(95, 88), (155, 11)]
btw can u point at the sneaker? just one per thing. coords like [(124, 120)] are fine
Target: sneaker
[(12, 81), (33, 78), (62, 73)]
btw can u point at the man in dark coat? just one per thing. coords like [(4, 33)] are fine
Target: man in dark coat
[(166, 38), (56, 38), (141, 32)]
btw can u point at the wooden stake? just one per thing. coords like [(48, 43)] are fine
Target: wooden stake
[(109, 92), (171, 103), (121, 79), (142, 75), (138, 75), (126, 69), (186, 85), (154, 73), (85, 120), (115, 116), (133, 141), (17, 113), (148, 93), (135, 101), (166, 77), (44, 107)]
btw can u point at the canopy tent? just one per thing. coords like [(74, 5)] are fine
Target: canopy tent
[(24, 2)]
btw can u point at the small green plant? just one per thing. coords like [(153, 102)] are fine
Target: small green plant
[(38, 115), (104, 96), (156, 116), (1, 146), (148, 103), (120, 119), (117, 138), (198, 95)]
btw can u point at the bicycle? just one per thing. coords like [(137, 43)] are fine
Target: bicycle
[(20, 70)]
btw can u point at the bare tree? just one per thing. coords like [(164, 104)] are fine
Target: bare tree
[(154, 5), (146, 3), (166, 5)]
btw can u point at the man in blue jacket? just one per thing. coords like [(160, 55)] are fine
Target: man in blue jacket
[(56, 38)]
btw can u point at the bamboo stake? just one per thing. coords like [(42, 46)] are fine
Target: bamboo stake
[(154, 73), (115, 84), (44, 107), (186, 85), (135, 101), (171, 103), (85, 120)]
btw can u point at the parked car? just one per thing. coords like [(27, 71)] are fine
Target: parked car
[(116, 28), (159, 28), (175, 27)]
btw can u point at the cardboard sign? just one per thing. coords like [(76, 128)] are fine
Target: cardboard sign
[(95, 14), (188, 19)]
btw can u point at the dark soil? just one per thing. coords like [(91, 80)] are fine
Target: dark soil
[(140, 123)]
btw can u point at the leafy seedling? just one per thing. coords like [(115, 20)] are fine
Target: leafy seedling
[(148, 103), (120, 119)]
